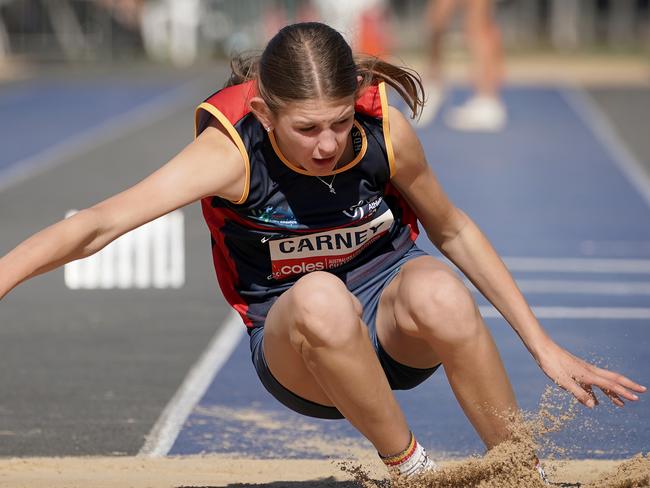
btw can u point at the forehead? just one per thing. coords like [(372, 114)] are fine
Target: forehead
[(318, 109)]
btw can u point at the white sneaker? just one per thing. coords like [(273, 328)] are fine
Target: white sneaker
[(418, 464), (542, 474), (479, 114), (434, 94)]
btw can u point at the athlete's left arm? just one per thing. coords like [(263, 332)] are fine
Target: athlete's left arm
[(460, 240)]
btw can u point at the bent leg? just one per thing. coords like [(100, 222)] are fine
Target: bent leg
[(438, 15), (427, 316), (317, 346)]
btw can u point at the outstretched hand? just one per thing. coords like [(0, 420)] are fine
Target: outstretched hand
[(578, 377)]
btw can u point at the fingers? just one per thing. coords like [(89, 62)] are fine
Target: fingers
[(612, 385), (590, 390), (616, 400), (579, 377), (609, 385), (583, 391), (620, 379), (587, 398)]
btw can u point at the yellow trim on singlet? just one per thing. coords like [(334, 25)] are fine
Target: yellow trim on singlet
[(223, 120), (386, 126), (298, 169)]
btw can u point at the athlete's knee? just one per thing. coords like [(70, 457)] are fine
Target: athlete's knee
[(438, 305), (326, 313)]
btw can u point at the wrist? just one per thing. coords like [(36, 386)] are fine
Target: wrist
[(540, 346)]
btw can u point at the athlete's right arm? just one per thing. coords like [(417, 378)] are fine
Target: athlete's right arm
[(210, 165)]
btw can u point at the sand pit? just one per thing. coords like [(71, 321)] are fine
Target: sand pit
[(225, 472), (508, 465)]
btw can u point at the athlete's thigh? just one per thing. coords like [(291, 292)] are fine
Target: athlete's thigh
[(285, 363), (400, 343)]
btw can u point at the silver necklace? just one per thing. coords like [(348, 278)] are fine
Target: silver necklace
[(329, 185)]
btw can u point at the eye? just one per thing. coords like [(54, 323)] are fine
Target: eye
[(307, 129), (344, 121)]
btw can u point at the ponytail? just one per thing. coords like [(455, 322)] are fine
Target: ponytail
[(406, 81), (243, 67)]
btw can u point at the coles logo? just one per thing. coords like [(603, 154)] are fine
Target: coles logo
[(324, 250)]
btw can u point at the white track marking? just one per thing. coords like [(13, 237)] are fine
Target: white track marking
[(152, 255), (591, 313), (112, 129), (569, 287), (578, 265), (164, 433), (594, 119)]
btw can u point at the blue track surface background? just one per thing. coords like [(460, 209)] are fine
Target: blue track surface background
[(63, 110), (545, 187)]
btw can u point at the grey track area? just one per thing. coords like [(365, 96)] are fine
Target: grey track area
[(89, 372)]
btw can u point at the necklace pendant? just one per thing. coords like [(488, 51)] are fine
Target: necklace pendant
[(332, 190)]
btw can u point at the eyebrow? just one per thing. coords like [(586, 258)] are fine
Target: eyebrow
[(305, 121)]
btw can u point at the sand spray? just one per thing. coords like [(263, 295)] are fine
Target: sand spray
[(511, 463)]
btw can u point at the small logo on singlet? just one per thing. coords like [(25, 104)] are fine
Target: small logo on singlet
[(325, 250), (275, 215), (363, 208)]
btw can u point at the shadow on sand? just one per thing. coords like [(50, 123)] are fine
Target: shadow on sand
[(322, 483)]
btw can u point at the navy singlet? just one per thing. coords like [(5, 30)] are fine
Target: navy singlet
[(288, 223)]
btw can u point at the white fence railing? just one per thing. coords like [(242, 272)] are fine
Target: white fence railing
[(151, 256)]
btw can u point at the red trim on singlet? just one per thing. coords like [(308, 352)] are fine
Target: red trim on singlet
[(223, 262), (232, 101), (408, 215), (369, 103)]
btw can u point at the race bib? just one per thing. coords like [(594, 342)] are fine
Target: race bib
[(325, 250)]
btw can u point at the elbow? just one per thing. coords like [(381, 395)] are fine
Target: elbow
[(91, 226)]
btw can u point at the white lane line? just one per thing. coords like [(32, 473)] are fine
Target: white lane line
[(592, 313), (164, 433), (569, 287), (110, 130), (578, 265), (582, 103)]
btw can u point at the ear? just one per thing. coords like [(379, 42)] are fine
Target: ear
[(261, 111), (358, 91)]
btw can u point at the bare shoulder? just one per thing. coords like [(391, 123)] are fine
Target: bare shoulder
[(211, 165), (218, 160), (409, 155), (400, 127)]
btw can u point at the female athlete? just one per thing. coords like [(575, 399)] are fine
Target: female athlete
[(312, 187)]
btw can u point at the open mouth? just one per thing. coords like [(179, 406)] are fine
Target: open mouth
[(323, 161)]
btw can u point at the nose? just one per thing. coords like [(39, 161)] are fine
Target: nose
[(326, 147)]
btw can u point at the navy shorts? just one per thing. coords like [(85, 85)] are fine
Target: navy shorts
[(368, 291)]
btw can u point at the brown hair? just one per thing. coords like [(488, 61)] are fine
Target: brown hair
[(311, 60)]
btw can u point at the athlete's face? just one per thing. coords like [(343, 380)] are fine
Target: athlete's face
[(314, 134)]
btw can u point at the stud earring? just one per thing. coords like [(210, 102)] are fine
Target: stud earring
[(268, 129)]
